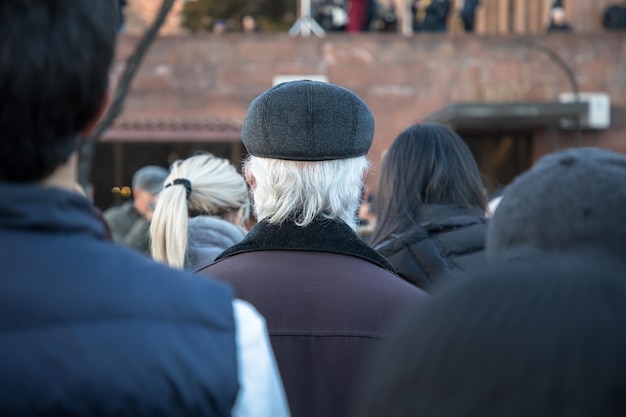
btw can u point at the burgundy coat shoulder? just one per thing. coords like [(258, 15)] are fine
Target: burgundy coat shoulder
[(329, 301)]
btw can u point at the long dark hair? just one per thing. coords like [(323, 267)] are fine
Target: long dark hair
[(426, 164)]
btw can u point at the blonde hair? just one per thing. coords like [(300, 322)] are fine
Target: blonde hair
[(301, 191), (216, 189)]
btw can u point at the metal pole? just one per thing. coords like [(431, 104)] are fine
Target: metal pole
[(306, 14), (306, 24), (571, 76)]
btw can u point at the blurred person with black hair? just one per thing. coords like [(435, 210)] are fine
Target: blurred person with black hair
[(468, 14), (431, 15), (430, 206), (558, 21), (88, 327), (614, 16)]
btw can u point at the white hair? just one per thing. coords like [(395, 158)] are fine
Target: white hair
[(217, 189), (300, 191)]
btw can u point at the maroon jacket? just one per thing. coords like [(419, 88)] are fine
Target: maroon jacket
[(328, 299)]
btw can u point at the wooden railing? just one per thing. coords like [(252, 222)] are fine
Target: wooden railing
[(532, 16)]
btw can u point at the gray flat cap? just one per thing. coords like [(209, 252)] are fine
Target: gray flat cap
[(308, 121), (570, 200)]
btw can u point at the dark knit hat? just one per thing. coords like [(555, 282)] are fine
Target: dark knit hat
[(539, 336), (573, 199), (308, 121)]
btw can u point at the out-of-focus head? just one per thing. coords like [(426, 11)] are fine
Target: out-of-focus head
[(249, 23), (307, 142), (525, 338), (219, 26), (147, 184), (558, 16), (200, 185), (426, 164), (150, 179), (573, 199), (54, 69)]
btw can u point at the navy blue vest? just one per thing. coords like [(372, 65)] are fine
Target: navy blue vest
[(88, 327)]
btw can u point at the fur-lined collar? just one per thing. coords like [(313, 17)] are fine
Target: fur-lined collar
[(321, 235)]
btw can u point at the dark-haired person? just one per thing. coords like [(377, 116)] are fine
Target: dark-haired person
[(431, 206), (614, 16), (88, 327), (468, 14), (541, 336), (430, 15), (558, 21)]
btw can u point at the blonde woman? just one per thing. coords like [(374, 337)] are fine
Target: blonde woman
[(200, 212)]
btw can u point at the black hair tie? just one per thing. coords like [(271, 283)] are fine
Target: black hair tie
[(184, 182)]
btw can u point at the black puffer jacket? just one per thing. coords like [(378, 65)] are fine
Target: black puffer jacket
[(449, 239)]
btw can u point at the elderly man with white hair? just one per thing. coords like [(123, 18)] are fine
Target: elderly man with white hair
[(328, 298)]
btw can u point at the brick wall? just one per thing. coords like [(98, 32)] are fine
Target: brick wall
[(532, 16), (139, 14), (493, 16), (403, 80)]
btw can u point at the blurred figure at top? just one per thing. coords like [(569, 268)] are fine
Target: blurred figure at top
[(468, 14), (330, 14), (430, 206), (614, 16), (200, 212), (219, 27), (358, 14), (558, 21), (431, 15), (249, 24)]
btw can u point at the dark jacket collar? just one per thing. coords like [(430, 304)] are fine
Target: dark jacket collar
[(322, 235), (32, 207), (439, 212), (435, 218)]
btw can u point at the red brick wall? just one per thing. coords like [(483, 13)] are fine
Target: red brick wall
[(493, 16), (139, 14), (403, 80)]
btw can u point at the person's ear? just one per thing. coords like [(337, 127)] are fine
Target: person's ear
[(91, 126), (249, 178)]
